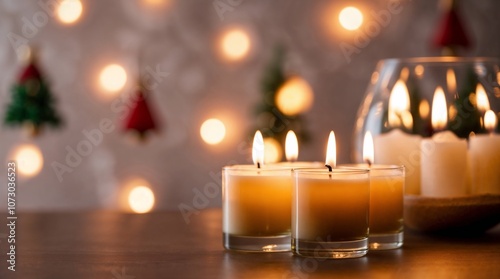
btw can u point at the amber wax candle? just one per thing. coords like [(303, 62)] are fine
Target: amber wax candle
[(256, 204), (330, 210), (387, 188), (330, 213)]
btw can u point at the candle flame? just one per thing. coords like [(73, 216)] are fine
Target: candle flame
[(399, 102), (368, 150), (331, 150), (481, 98), (258, 149), (291, 147), (439, 114), (490, 121)]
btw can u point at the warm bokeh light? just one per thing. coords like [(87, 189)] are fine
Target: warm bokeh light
[(29, 159), (405, 73), (351, 18), (291, 147), (419, 71), (258, 149), (482, 102), (235, 44), (113, 78), (368, 149), (294, 96), (331, 150), (213, 131), (69, 11), (424, 109), (272, 151), (399, 103), (439, 114), (141, 199), (451, 81), (490, 121)]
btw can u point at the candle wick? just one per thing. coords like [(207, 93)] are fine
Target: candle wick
[(368, 162), (329, 170), (258, 165), (329, 167)]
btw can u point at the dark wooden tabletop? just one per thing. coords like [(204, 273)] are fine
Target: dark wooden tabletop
[(162, 245)]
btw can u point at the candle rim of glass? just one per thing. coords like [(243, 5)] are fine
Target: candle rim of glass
[(372, 167), (334, 171), (441, 60), (252, 169)]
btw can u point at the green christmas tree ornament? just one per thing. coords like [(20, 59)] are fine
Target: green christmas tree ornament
[(32, 104), (276, 114)]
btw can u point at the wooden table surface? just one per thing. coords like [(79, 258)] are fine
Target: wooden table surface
[(114, 245)]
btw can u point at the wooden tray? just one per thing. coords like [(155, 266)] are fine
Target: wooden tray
[(459, 215)]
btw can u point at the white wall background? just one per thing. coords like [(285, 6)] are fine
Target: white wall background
[(182, 41)]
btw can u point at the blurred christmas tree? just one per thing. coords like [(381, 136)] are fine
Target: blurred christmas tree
[(284, 99), (32, 103)]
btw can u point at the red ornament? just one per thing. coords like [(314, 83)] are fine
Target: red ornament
[(451, 33), (141, 118)]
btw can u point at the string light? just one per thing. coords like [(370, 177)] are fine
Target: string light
[(113, 78), (351, 18), (29, 159), (213, 131), (294, 97), (235, 44), (69, 11), (141, 199), (272, 150)]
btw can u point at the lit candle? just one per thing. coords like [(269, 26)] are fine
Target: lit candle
[(291, 147), (484, 154), (292, 154), (257, 205), (397, 147), (330, 210), (386, 201), (444, 156)]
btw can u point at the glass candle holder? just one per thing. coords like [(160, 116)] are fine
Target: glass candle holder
[(330, 213), (386, 205), (400, 104), (256, 208)]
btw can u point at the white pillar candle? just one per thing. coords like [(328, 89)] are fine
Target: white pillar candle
[(444, 165), (484, 154), (399, 148)]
